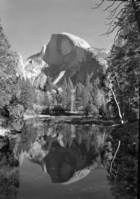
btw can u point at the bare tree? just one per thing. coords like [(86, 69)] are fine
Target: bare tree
[(115, 9)]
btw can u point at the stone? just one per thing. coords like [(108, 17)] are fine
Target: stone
[(65, 56), (21, 72), (33, 67)]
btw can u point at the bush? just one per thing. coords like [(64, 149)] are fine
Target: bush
[(37, 109), (94, 111), (90, 109), (30, 112), (45, 111), (58, 110), (4, 112), (16, 111)]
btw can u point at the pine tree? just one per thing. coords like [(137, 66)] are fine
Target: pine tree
[(124, 67), (27, 95), (48, 85), (70, 83), (66, 95), (8, 79), (78, 94)]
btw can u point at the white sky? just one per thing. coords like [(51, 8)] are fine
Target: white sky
[(30, 23)]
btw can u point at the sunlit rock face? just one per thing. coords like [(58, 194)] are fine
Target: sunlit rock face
[(66, 55), (33, 67), (21, 72)]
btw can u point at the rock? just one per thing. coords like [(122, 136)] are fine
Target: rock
[(65, 56), (33, 67), (21, 72)]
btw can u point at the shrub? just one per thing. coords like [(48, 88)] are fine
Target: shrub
[(90, 109)]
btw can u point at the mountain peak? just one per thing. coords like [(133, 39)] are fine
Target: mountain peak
[(67, 55)]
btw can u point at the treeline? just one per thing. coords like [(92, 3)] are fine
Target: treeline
[(89, 98), (124, 65), (16, 94), (115, 94)]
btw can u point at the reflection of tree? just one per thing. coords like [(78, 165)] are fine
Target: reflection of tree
[(28, 136), (123, 178), (9, 177), (16, 125), (65, 148), (89, 139), (83, 147), (9, 184)]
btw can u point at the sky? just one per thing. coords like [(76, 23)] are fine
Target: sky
[(29, 24)]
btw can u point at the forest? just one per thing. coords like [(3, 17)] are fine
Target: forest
[(113, 95)]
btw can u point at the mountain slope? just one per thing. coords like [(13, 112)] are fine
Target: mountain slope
[(65, 56)]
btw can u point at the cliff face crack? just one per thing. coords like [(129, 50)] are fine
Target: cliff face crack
[(65, 56)]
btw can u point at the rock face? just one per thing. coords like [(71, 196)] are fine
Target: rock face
[(21, 72), (33, 67), (66, 55)]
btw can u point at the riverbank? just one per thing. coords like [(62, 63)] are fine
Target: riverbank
[(74, 119), (26, 117), (69, 119)]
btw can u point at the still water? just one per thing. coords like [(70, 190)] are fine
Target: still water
[(43, 159)]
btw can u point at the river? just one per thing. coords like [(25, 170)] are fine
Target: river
[(42, 159)]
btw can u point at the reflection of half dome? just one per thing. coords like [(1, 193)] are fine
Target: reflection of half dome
[(62, 174), (78, 176), (62, 163)]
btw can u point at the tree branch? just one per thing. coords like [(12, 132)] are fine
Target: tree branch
[(119, 12), (98, 5), (113, 12), (109, 23), (110, 30), (118, 31), (109, 6)]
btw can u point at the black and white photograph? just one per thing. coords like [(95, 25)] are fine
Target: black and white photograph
[(69, 99)]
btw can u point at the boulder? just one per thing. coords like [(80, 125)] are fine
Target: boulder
[(65, 56)]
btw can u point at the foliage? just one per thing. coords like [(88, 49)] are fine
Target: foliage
[(123, 62), (123, 178), (8, 78), (9, 184), (27, 96), (66, 95), (48, 85), (9, 178), (91, 97), (90, 109)]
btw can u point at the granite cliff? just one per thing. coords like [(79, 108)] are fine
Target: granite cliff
[(65, 56)]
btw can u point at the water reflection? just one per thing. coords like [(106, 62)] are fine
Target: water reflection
[(123, 176), (68, 153), (9, 174)]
